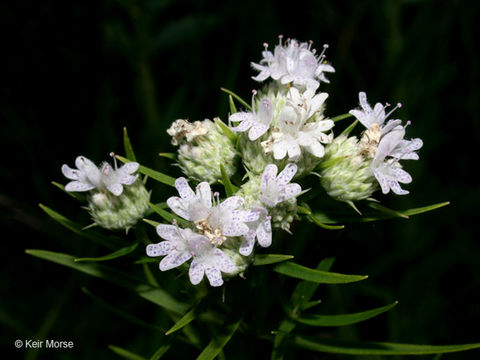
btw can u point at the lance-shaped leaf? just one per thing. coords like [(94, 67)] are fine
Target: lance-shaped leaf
[(322, 277), (116, 254), (267, 259), (107, 241), (341, 117), (328, 345), (125, 354), (343, 319), (155, 175), (132, 283), (127, 145), (230, 189), (313, 218), (167, 216), (238, 98), (184, 321), (233, 108), (226, 130)]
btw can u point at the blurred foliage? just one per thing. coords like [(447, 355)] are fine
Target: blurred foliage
[(76, 73)]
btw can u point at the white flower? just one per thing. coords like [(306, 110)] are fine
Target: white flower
[(182, 245), (276, 189), (181, 129), (385, 165), (294, 63), (215, 222), (260, 229), (369, 116), (88, 176), (293, 132), (257, 121)]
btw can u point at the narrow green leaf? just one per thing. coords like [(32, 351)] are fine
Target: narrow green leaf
[(161, 351), (317, 221), (167, 216), (226, 130), (75, 195), (116, 254), (132, 283), (238, 98), (341, 117), (383, 209), (145, 260), (230, 189), (184, 320), (218, 342), (322, 277), (233, 108), (133, 319), (107, 241), (375, 348), (267, 259), (125, 353), (349, 128), (151, 222), (127, 145), (343, 319), (424, 209), (170, 156), (309, 305), (155, 175)]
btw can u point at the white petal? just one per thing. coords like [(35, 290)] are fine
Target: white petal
[(223, 262), (256, 131), (129, 168), (287, 174), (395, 186), (204, 194), (81, 162), (196, 272), (184, 189), (362, 97), (69, 173), (290, 191), (248, 242), (269, 175), (75, 186), (245, 215), (279, 150), (214, 276), (243, 126), (174, 259), (232, 203), (264, 234), (317, 149), (169, 232), (115, 189), (235, 228), (401, 175), (179, 207), (293, 150), (160, 249)]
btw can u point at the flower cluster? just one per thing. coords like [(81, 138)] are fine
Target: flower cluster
[(281, 138)]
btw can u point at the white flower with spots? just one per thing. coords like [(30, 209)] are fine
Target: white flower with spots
[(385, 165), (261, 230), (295, 132), (181, 245), (257, 122), (88, 176), (295, 63), (276, 189), (213, 219)]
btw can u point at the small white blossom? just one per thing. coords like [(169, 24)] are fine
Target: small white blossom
[(260, 229), (215, 222), (294, 63), (88, 176), (293, 130), (374, 117), (181, 129), (385, 165), (276, 189), (257, 121), (182, 245)]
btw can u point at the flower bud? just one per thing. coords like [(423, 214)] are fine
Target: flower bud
[(119, 212), (345, 172)]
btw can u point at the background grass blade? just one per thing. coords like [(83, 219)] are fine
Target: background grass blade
[(127, 145), (375, 348), (155, 175), (107, 241), (322, 277), (125, 354), (132, 283), (343, 319), (267, 259), (184, 320), (116, 254)]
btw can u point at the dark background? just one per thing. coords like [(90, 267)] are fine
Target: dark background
[(75, 73)]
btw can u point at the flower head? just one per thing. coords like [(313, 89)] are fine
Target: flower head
[(182, 245), (293, 62), (213, 219), (88, 176), (386, 166), (257, 121)]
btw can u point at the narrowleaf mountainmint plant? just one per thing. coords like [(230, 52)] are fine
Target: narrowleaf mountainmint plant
[(246, 182)]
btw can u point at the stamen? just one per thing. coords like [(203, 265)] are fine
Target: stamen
[(254, 92), (322, 56), (398, 106), (112, 154)]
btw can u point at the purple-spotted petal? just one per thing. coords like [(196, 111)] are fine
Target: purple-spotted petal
[(179, 207), (232, 203), (214, 276), (184, 189), (78, 186), (196, 272), (160, 249), (116, 189), (248, 242), (287, 174), (174, 259), (69, 173)]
